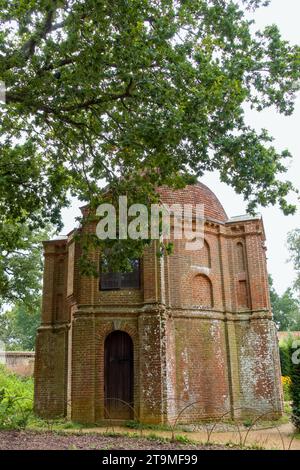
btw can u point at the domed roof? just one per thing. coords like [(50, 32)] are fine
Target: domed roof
[(195, 194)]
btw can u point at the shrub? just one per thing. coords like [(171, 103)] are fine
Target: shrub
[(286, 385), (16, 400), (284, 351), (295, 390)]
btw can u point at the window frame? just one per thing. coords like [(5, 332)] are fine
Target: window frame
[(118, 277)]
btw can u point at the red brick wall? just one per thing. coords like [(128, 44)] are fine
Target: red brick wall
[(201, 366), (260, 388), (50, 370)]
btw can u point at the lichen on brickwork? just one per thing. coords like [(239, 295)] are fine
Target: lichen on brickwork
[(215, 331), (257, 366), (185, 371)]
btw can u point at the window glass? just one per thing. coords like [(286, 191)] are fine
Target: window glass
[(113, 281)]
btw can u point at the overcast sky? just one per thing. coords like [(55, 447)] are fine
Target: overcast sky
[(286, 14)]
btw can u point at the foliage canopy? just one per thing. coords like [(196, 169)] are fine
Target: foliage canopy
[(98, 89)]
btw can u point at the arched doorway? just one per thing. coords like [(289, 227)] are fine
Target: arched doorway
[(118, 375)]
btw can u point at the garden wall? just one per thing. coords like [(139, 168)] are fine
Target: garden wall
[(19, 362)]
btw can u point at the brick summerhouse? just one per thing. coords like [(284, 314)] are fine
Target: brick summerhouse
[(193, 327)]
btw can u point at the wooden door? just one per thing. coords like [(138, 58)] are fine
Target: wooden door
[(118, 387)]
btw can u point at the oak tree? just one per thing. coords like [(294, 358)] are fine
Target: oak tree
[(152, 91)]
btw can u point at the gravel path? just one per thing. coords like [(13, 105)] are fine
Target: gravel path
[(28, 440), (93, 438), (280, 437)]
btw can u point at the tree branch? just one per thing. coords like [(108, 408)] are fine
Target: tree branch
[(28, 49)]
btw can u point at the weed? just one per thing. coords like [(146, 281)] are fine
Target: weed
[(248, 422), (183, 439), (16, 400)]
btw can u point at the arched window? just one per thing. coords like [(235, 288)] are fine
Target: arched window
[(206, 255), (202, 292), (240, 255)]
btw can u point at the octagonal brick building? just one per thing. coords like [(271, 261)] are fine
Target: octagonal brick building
[(192, 329)]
